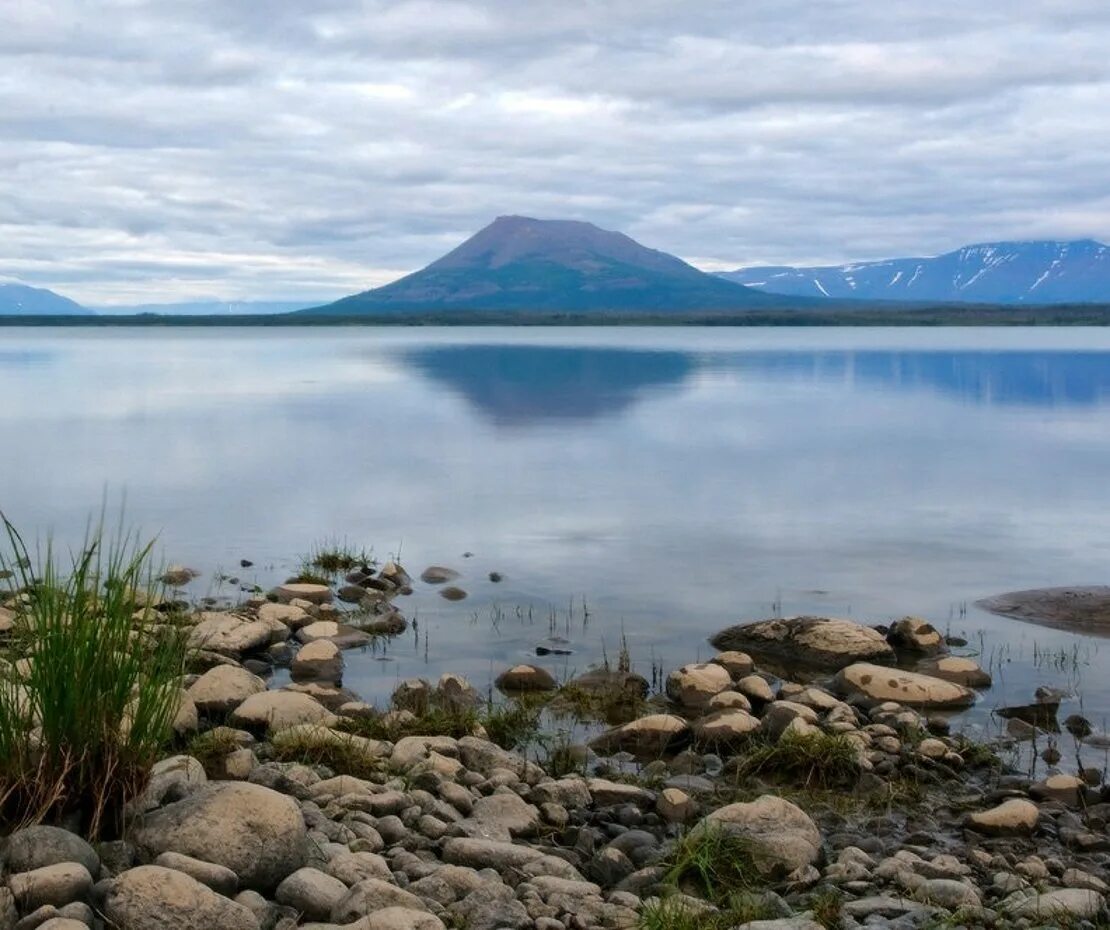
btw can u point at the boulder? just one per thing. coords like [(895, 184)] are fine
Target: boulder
[(34, 847), (610, 684), (290, 616), (675, 806), (879, 683), (912, 634), (412, 694), (277, 710), (151, 897), (522, 678), (257, 833), (342, 635), (217, 877), (820, 642), (399, 918), (694, 684), (370, 895), (229, 635), (1071, 904), (507, 814), (320, 660), (298, 591), (221, 689), (778, 716), (1067, 789), (755, 688), (438, 574), (648, 736), (1014, 816), (782, 836), (57, 884), (725, 727), (961, 670), (737, 664), (455, 693), (311, 892)]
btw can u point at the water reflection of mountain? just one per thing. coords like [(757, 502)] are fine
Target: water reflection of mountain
[(519, 385), (1007, 378)]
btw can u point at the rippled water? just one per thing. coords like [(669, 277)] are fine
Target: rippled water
[(655, 484)]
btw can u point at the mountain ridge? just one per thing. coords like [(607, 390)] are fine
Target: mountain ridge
[(519, 263), (24, 300), (1005, 272)]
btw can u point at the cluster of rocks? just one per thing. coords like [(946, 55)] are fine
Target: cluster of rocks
[(444, 832)]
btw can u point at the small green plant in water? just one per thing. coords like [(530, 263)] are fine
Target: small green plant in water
[(332, 558), (88, 703)]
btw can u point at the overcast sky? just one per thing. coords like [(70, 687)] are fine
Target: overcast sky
[(155, 150)]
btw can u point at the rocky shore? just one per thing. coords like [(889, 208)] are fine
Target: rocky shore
[(737, 798)]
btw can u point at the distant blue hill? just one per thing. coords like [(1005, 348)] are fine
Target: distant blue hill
[(996, 273), (209, 307), (521, 264), (23, 300)]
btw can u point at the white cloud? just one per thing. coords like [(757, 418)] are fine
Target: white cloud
[(153, 151)]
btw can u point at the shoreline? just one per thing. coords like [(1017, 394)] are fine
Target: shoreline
[(452, 809)]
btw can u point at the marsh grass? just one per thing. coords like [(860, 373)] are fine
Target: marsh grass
[(91, 705), (333, 557), (815, 760)]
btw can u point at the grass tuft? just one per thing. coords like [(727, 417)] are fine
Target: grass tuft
[(333, 558), (89, 702), (815, 760), (713, 863), (343, 753)]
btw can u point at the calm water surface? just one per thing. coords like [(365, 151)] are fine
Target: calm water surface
[(672, 481)]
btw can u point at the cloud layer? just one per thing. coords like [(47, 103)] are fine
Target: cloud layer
[(198, 149)]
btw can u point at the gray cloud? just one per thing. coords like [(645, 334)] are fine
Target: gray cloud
[(157, 151)]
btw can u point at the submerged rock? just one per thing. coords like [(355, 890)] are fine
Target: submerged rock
[(821, 642), (438, 574), (961, 670), (648, 736)]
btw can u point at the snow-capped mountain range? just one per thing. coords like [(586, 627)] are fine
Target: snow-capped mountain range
[(996, 272)]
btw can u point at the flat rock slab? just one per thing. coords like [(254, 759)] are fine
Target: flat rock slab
[(827, 643), (1076, 609)]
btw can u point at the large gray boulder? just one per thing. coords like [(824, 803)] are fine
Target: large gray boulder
[(781, 835), (257, 833), (151, 897), (229, 635), (223, 688), (647, 736), (34, 847), (820, 642)]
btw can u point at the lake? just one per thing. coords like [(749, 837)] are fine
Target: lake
[(653, 485)]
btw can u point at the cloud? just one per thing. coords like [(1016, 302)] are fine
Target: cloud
[(155, 151)]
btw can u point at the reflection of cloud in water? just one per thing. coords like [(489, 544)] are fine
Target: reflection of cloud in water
[(1008, 378), (518, 385)]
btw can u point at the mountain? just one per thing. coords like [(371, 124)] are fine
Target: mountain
[(995, 272), (21, 300), (210, 307), (522, 264)]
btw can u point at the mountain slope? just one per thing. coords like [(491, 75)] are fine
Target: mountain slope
[(522, 264), (997, 272), (21, 300)]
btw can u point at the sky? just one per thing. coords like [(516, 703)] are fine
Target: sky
[(224, 149)]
